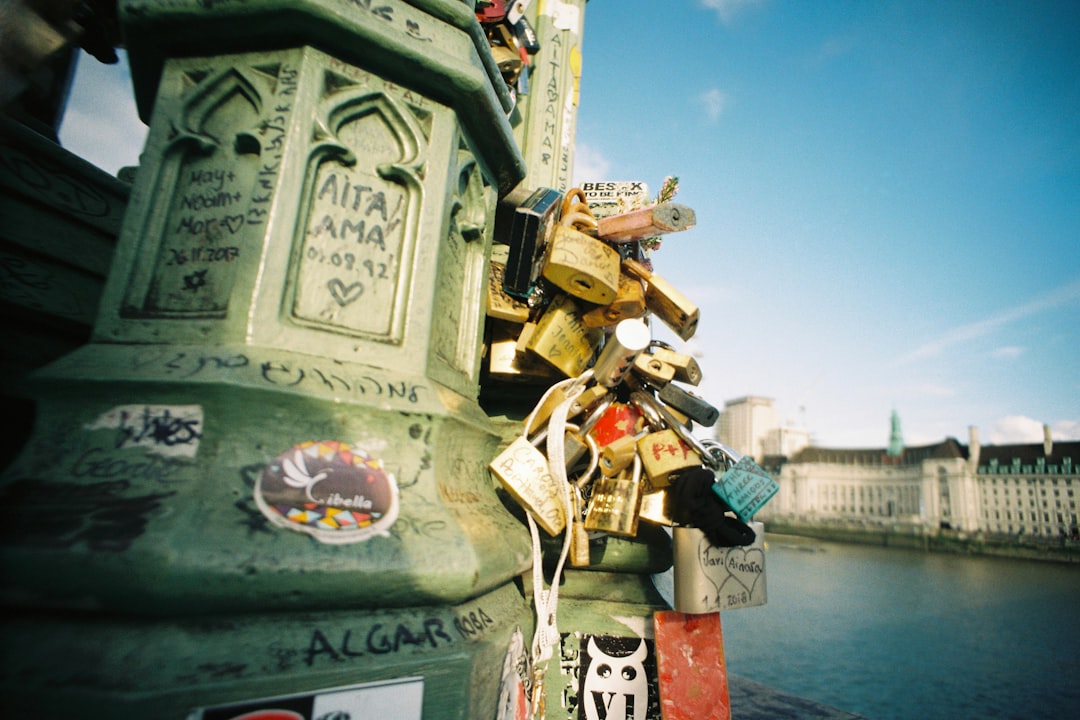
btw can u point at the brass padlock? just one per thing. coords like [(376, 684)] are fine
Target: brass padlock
[(629, 303), (562, 340), (614, 504), (524, 472), (587, 399), (618, 454), (664, 453), (579, 535), (505, 363), (686, 367), (500, 305), (656, 507), (664, 301), (582, 266), (653, 370)]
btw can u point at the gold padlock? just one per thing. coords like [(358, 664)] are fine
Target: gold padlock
[(618, 454), (629, 303), (500, 305), (505, 363), (687, 369), (587, 399), (655, 507), (579, 536), (664, 453), (655, 371), (524, 472), (614, 504), (562, 340), (664, 301), (582, 266)]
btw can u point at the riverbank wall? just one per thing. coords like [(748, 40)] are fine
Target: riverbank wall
[(1058, 550)]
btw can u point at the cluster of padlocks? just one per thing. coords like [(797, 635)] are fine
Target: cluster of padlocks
[(512, 39), (571, 296), (610, 443)]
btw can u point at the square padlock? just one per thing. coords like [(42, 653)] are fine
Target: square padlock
[(710, 578)]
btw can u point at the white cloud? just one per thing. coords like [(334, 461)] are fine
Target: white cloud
[(726, 10), (589, 164), (933, 390), (973, 331), (1065, 430), (714, 102), (1022, 429)]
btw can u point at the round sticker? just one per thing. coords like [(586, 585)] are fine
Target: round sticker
[(334, 492)]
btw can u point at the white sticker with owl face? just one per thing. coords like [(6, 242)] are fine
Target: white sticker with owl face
[(618, 679)]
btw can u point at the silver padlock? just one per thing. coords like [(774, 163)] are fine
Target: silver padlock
[(710, 578)]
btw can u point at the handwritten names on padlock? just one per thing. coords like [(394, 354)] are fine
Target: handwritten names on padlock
[(745, 487), (582, 266), (524, 473), (562, 340)]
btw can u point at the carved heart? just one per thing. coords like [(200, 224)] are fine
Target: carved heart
[(345, 294), (736, 565), (233, 222)]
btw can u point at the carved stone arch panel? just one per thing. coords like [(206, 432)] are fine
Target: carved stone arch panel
[(354, 248), (461, 290), (190, 253)]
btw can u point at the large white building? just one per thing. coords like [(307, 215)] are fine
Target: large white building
[(750, 426), (1027, 489)]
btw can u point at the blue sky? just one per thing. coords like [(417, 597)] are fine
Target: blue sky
[(887, 199)]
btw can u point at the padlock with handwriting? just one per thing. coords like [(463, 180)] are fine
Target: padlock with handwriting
[(562, 340), (582, 266), (663, 454), (614, 503), (708, 578), (523, 472)]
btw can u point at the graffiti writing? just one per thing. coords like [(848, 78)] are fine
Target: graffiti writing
[(378, 640), (57, 515), (158, 426)]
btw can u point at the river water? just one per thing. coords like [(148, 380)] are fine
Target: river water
[(896, 634)]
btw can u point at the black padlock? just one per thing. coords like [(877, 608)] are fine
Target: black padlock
[(688, 404), (532, 224)]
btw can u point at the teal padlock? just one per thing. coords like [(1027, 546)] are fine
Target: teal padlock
[(745, 487)]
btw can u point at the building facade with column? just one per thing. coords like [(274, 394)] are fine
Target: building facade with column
[(1008, 490)]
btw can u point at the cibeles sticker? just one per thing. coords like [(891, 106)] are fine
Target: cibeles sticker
[(330, 490)]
